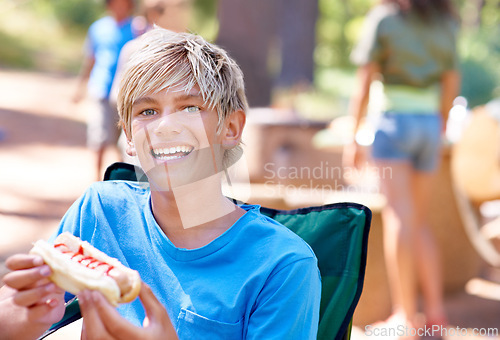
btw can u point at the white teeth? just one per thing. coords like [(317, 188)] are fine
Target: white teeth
[(167, 158), (172, 152)]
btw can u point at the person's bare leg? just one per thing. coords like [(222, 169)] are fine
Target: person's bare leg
[(397, 218), (99, 162), (427, 254)]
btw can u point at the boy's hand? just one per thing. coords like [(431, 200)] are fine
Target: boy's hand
[(31, 289), (102, 321)]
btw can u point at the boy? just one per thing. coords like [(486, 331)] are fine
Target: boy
[(216, 270), (105, 39)]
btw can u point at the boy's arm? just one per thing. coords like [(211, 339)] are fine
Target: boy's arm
[(29, 303), (288, 306), (88, 64)]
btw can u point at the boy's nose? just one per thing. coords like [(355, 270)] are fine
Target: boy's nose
[(167, 124)]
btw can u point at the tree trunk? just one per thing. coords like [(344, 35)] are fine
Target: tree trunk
[(479, 4), (246, 29), (298, 40), (249, 28)]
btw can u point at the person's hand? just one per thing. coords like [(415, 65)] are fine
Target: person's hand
[(78, 97), (353, 156), (102, 321), (32, 289)]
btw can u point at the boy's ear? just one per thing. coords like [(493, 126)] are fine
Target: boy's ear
[(130, 149), (233, 130)]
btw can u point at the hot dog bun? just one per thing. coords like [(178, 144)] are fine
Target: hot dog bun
[(119, 284)]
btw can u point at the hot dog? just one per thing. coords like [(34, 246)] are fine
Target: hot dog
[(77, 265)]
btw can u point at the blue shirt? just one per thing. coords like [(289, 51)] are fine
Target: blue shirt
[(105, 39), (258, 280)]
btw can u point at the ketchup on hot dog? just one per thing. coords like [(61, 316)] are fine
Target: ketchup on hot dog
[(92, 263)]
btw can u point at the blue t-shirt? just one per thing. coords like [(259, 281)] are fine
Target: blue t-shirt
[(105, 39), (258, 280)]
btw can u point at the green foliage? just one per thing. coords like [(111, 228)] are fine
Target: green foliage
[(479, 49), (17, 55), (480, 55), (204, 21), (338, 28), (78, 14), (36, 39)]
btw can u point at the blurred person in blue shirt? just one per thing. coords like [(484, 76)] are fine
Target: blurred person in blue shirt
[(105, 39)]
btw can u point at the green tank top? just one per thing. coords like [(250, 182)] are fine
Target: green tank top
[(412, 55)]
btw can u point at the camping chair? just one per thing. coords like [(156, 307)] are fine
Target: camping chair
[(337, 233), (475, 170)]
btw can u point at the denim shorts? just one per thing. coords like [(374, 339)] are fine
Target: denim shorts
[(415, 138)]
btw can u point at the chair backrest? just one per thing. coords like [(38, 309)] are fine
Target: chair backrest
[(338, 235)]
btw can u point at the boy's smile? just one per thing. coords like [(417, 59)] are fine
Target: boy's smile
[(175, 137), (170, 153)]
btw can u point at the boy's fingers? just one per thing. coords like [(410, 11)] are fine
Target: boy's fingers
[(92, 324), (23, 261), (36, 312), (43, 310), (157, 320), (22, 279), (154, 309), (33, 296), (114, 323)]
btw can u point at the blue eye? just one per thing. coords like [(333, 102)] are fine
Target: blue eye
[(192, 109), (148, 112)]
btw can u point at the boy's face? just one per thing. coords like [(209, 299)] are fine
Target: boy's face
[(121, 8), (174, 135)]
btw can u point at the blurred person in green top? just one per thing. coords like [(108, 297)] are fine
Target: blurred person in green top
[(410, 46)]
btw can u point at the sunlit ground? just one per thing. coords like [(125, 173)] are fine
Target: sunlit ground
[(44, 163)]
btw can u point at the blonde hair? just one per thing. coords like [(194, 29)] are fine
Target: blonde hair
[(164, 59)]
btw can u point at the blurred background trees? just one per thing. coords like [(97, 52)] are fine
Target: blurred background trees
[(300, 45)]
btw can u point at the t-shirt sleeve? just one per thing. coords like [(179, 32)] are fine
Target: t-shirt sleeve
[(369, 47), (288, 305), (79, 219)]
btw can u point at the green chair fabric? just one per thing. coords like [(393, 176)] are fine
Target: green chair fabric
[(338, 235)]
